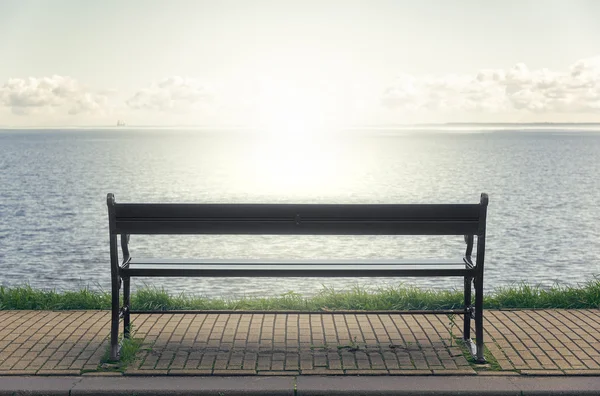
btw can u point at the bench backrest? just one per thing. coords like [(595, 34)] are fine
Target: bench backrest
[(298, 219)]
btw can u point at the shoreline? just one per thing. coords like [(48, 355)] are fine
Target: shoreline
[(401, 297)]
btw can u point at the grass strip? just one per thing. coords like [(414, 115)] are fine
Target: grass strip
[(491, 362), (400, 297), (127, 354)]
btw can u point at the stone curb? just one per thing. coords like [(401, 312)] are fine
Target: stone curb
[(300, 385)]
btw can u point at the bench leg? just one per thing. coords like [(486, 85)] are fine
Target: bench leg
[(114, 329), (126, 303), (467, 319), (479, 318)]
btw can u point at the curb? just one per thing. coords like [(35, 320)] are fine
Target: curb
[(300, 386)]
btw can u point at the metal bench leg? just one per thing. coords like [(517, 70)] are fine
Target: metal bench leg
[(479, 317), (115, 280), (126, 303), (114, 330), (479, 278), (467, 319)]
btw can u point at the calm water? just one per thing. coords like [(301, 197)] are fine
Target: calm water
[(543, 221)]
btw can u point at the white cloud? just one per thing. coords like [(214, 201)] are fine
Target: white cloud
[(515, 94), (55, 94), (517, 89), (89, 103), (175, 94)]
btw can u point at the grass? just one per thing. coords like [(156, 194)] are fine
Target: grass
[(26, 297), (127, 353), (399, 297), (491, 362)]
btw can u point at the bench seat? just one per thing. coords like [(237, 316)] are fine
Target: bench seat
[(300, 268)]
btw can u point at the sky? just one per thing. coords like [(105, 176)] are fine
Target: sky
[(291, 64)]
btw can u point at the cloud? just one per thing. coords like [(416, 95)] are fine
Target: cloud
[(173, 94), (58, 94), (520, 89), (89, 104)]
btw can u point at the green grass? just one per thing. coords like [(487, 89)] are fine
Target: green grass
[(129, 348), (26, 297), (491, 362), (399, 297)]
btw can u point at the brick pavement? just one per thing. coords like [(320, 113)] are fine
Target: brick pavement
[(527, 342)]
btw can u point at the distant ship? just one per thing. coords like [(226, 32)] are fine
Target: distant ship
[(120, 123)]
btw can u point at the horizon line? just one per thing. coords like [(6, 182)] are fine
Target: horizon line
[(248, 127)]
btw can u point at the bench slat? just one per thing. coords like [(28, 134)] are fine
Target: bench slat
[(306, 211), (268, 262), (291, 227), (304, 268)]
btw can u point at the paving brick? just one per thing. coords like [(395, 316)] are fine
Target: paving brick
[(526, 340)]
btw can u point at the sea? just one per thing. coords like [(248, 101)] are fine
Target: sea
[(543, 182)]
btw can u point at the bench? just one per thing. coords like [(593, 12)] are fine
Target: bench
[(127, 219)]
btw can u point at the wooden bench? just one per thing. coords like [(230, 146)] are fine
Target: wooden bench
[(469, 220)]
